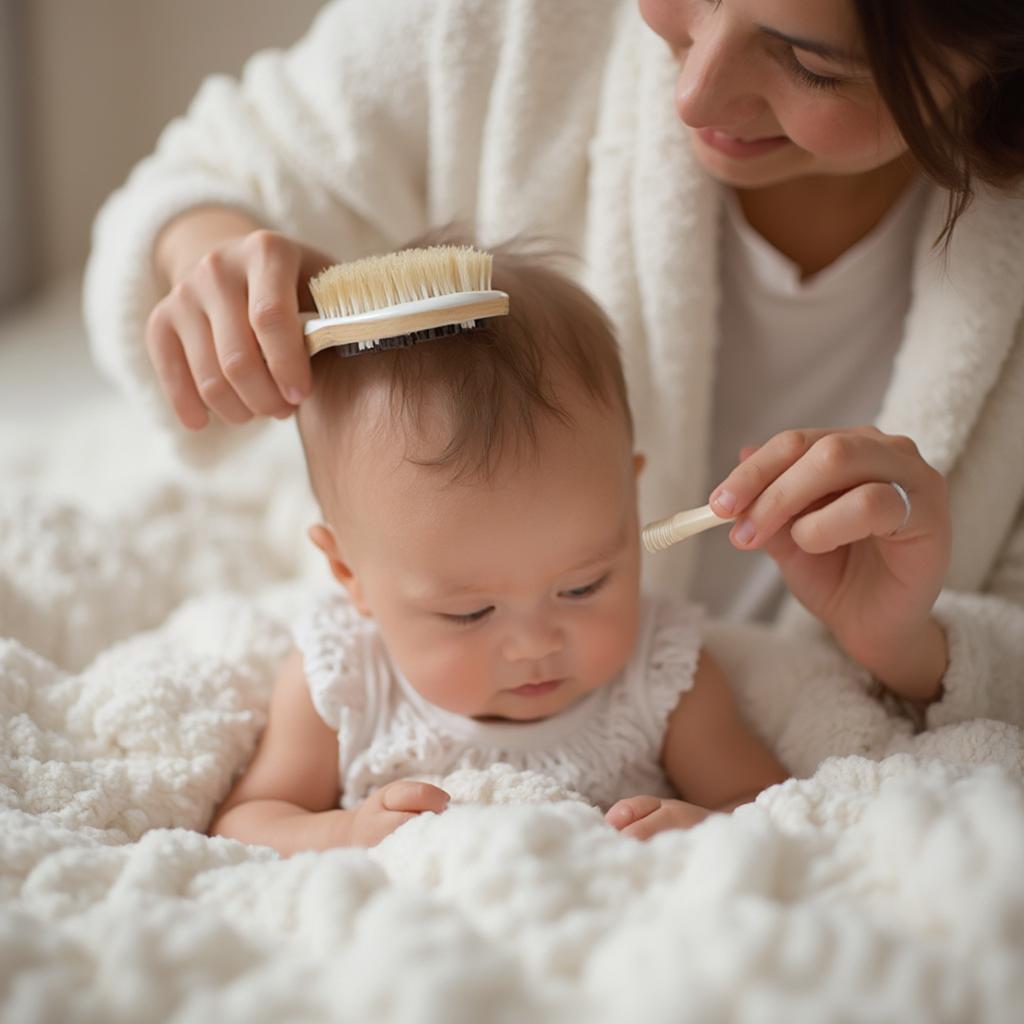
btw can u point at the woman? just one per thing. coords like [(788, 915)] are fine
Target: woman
[(798, 215)]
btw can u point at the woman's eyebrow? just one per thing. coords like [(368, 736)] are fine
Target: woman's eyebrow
[(825, 50)]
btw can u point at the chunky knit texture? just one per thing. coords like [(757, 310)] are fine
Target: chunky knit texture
[(143, 616)]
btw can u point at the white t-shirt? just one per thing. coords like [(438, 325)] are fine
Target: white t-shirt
[(792, 353), (605, 746)]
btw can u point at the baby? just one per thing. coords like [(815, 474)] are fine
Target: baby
[(480, 511)]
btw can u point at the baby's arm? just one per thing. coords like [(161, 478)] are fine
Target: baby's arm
[(710, 756), (288, 796)]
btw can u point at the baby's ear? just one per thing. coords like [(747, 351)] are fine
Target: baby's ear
[(323, 537)]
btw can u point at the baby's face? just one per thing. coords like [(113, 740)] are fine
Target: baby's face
[(510, 598)]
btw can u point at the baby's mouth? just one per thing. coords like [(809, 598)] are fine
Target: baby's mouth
[(537, 689)]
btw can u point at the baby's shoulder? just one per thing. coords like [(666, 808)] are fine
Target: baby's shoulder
[(671, 631), (328, 616), (339, 648), (664, 666)]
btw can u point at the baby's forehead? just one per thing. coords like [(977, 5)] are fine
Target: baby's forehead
[(385, 422), (534, 519)]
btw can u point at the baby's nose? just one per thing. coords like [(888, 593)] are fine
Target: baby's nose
[(534, 642)]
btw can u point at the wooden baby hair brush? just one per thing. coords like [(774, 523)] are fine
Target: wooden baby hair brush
[(399, 299), (663, 533)]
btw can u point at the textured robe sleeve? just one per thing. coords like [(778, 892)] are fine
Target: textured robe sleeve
[(325, 141), (985, 632)]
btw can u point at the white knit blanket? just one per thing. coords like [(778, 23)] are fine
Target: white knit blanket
[(142, 613)]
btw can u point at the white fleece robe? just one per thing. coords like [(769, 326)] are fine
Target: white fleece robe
[(527, 116)]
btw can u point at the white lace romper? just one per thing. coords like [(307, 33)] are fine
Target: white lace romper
[(606, 746)]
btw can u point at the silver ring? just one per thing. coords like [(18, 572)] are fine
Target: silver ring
[(900, 490)]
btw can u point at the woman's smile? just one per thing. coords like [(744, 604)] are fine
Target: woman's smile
[(739, 149)]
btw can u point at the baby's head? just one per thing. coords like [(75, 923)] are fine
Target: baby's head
[(479, 498)]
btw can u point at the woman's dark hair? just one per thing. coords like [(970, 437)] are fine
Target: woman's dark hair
[(981, 136)]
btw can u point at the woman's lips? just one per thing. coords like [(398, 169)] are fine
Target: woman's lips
[(737, 148), (537, 689)]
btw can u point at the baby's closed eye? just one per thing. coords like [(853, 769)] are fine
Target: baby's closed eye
[(589, 588), (575, 593), (469, 617)]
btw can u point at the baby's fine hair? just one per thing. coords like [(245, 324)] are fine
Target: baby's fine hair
[(492, 384)]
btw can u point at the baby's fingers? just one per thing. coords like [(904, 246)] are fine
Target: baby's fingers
[(659, 821), (408, 795), (632, 809)]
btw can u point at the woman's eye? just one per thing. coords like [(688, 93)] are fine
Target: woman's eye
[(590, 588), (808, 77), (471, 617)]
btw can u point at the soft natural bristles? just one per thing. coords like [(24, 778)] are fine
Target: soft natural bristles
[(378, 282), (355, 348)]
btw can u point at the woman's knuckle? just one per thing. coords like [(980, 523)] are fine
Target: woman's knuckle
[(793, 443), (181, 294), (905, 444), (213, 389), (238, 364), (212, 268), (832, 452), (268, 315), (262, 242)]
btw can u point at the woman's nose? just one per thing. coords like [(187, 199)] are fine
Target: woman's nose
[(534, 641), (714, 89)]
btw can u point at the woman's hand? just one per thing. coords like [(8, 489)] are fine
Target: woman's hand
[(820, 502), (644, 816), (227, 337)]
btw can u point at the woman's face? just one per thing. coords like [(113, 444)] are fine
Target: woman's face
[(774, 90)]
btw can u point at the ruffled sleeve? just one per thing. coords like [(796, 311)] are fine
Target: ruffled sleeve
[(336, 644), (673, 645)]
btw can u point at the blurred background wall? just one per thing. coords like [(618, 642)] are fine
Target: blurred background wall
[(85, 88), (16, 263)]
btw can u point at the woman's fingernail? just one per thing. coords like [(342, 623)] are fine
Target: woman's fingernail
[(725, 500), (294, 395), (744, 532)]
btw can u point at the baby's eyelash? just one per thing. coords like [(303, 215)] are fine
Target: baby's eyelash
[(590, 588), (470, 617), (809, 77), (577, 593)]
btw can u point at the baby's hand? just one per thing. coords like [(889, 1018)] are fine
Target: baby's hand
[(390, 806), (643, 816), (227, 338)]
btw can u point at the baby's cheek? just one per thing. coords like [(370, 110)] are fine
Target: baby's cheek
[(448, 674), (607, 645)]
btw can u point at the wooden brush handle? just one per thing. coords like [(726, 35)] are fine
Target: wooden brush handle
[(405, 318)]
